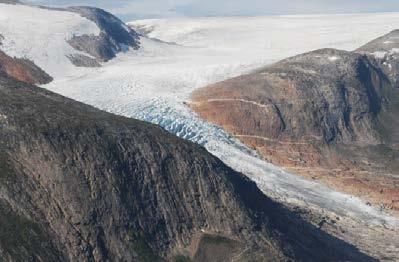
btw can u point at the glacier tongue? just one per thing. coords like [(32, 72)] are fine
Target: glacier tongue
[(273, 181)]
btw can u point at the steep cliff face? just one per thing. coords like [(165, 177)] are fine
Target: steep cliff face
[(23, 69), (326, 114), (94, 186), (385, 50)]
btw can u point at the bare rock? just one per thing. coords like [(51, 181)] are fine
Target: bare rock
[(23, 69), (83, 61), (385, 50), (115, 36)]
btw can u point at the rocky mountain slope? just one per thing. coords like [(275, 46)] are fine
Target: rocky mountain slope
[(330, 115), (77, 183)]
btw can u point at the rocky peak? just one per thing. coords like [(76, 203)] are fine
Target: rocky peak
[(114, 37), (109, 24)]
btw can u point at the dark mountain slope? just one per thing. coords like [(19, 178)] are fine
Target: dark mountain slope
[(327, 114), (92, 186)]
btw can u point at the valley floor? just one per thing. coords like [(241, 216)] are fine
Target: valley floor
[(179, 55)]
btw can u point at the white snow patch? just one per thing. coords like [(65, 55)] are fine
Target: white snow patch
[(380, 54), (388, 65), (333, 58), (126, 27)]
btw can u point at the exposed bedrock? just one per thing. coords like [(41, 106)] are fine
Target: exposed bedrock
[(328, 114), (23, 69), (114, 37)]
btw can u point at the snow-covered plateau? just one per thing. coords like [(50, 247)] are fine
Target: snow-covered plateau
[(179, 55)]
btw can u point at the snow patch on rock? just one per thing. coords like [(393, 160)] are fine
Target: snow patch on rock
[(41, 35), (333, 58), (380, 54)]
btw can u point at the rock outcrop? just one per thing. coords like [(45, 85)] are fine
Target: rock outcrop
[(23, 69), (329, 114), (80, 184), (114, 36), (385, 50)]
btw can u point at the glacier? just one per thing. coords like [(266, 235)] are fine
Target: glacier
[(179, 55)]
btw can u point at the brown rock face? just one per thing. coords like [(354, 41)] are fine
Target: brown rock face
[(327, 114), (91, 186), (23, 70)]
